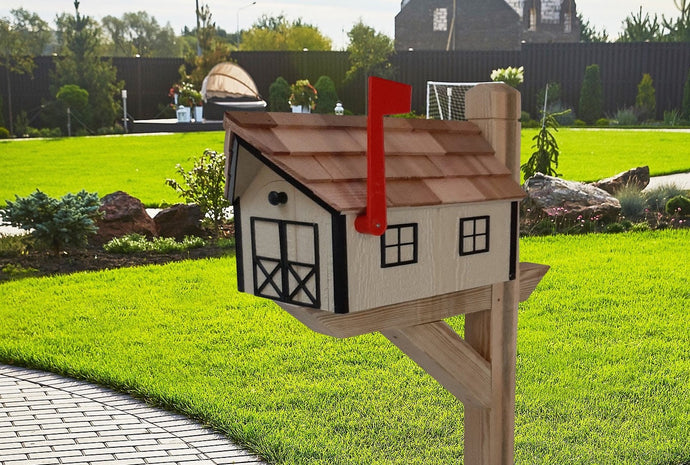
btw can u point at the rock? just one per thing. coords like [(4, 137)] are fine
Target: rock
[(636, 177), (180, 220), (568, 199), (122, 215)]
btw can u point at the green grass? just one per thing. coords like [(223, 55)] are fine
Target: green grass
[(137, 165), (603, 372), (590, 155)]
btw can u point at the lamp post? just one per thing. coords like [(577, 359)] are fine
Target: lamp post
[(238, 22), (198, 45), (124, 108)]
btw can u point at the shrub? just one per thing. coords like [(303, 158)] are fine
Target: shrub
[(525, 116), (4, 133), (579, 123), (672, 117), (57, 223), (633, 203), (554, 96), (511, 76), (626, 117), (613, 228), (562, 113), (602, 122), (678, 205), (645, 102), (591, 95), (204, 185), (545, 159), (328, 97), (658, 197), (278, 95), (133, 243)]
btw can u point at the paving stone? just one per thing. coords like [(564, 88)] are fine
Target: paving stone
[(46, 419)]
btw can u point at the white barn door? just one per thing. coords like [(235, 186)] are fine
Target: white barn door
[(285, 261)]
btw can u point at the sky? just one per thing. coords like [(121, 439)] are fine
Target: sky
[(333, 17)]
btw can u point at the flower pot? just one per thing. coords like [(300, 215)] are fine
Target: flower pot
[(199, 114), (301, 109), (184, 114)]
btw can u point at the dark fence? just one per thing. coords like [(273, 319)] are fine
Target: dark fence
[(147, 80)]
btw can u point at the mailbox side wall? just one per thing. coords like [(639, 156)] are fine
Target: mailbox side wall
[(299, 208), (440, 269)]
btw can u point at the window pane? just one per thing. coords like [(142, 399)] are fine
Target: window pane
[(407, 235)]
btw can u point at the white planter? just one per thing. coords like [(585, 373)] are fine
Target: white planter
[(184, 114), (199, 114), (300, 109)]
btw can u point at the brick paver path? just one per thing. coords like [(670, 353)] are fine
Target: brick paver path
[(48, 419)]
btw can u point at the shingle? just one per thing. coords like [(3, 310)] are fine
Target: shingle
[(344, 167), (410, 193), (455, 190)]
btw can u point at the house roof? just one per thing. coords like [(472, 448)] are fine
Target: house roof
[(428, 162)]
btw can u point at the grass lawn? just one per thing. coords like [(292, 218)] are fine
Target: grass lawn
[(139, 165), (603, 359), (590, 154)]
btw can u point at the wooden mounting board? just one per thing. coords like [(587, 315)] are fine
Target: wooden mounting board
[(411, 313)]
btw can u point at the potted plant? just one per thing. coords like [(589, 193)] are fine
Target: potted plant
[(186, 98), (303, 97)]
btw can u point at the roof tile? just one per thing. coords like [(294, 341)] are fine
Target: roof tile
[(455, 190), (410, 194)]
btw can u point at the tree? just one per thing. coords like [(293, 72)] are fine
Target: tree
[(678, 30), (369, 52), (328, 96), (638, 28), (685, 114), (21, 38), (589, 34), (79, 63), (645, 102), (139, 34), (591, 95), (213, 50), (277, 33)]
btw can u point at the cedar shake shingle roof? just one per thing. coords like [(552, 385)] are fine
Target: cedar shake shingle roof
[(428, 162)]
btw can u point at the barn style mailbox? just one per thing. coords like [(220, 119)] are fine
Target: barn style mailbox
[(361, 224)]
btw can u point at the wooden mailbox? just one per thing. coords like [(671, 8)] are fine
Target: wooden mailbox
[(448, 245)]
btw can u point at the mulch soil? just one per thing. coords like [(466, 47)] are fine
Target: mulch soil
[(42, 263)]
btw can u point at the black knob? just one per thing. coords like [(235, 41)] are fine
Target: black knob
[(277, 198)]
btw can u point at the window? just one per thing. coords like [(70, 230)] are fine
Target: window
[(399, 245), (567, 23), (474, 235), (440, 19)]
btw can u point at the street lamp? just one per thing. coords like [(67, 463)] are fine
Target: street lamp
[(238, 22)]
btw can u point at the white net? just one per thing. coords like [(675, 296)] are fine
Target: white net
[(446, 100)]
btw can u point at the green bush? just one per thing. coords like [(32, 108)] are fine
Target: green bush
[(553, 97), (645, 102), (328, 97), (678, 205), (602, 122), (134, 243), (579, 123), (57, 223), (545, 159), (4, 133), (591, 95), (658, 197), (626, 117), (614, 228), (671, 117), (633, 203), (278, 95), (525, 116), (204, 185)]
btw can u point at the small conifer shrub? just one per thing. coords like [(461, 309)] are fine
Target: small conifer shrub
[(591, 96)]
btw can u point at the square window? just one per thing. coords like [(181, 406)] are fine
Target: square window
[(474, 235), (440, 19), (399, 245)]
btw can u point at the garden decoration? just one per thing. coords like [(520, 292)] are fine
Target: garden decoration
[(303, 97), (395, 234), (187, 101)]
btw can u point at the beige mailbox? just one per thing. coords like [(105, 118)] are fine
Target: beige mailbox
[(448, 244)]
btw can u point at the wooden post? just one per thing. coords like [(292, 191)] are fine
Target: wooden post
[(490, 432)]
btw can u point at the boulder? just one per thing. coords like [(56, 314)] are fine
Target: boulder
[(180, 220), (570, 200), (122, 215), (637, 178)]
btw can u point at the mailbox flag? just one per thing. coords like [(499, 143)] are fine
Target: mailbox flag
[(385, 98)]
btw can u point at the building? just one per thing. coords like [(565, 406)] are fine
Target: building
[(484, 24)]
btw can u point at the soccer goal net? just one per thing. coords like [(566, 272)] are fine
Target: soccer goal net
[(446, 100)]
